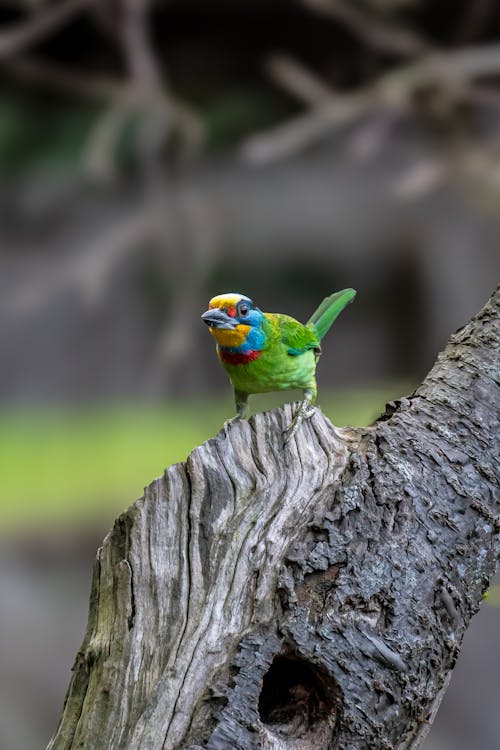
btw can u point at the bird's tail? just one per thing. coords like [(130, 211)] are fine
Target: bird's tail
[(331, 307)]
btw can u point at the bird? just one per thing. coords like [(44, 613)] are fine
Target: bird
[(263, 352)]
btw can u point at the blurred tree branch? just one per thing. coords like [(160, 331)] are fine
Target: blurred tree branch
[(46, 21), (381, 35), (121, 97), (182, 249), (171, 220), (165, 135), (451, 71), (474, 18), (92, 271)]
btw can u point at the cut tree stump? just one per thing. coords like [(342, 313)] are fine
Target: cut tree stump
[(308, 597)]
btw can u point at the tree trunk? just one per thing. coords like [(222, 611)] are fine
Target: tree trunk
[(308, 597)]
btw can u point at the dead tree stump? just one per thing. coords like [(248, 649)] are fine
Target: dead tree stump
[(312, 597)]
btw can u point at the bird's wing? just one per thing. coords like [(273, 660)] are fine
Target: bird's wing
[(296, 337)]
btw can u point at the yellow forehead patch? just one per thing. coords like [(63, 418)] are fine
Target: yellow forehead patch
[(230, 337), (230, 299)]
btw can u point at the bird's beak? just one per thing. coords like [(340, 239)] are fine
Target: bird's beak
[(218, 319)]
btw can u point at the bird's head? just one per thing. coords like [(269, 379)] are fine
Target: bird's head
[(231, 318)]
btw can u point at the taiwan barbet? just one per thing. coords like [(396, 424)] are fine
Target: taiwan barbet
[(264, 352)]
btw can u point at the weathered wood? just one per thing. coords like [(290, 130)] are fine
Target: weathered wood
[(312, 597)]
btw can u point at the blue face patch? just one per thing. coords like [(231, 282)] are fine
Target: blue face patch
[(251, 318), (248, 315)]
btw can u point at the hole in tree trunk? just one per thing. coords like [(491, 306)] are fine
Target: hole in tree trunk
[(297, 698)]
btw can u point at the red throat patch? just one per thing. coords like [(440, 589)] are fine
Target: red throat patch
[(238, 358)]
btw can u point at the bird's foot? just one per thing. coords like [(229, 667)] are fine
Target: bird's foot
[(304, 411), (231, 421)]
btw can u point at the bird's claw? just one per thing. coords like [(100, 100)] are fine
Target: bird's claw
[(305, 411), (288, 434)]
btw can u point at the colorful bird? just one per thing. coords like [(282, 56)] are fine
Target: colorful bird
[(264, 352)]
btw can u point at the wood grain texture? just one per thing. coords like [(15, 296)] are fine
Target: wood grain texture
[(308, 597)]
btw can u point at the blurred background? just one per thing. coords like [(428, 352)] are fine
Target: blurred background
[(153, 154)]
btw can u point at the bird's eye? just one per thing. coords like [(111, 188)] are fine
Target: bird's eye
[(244, 310)]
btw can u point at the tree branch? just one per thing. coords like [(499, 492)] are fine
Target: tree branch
[(22, 35), (297, 80), (382, 36), (307, 598), (393, 91)]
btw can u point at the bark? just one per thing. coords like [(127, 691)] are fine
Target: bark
[(312, 597)]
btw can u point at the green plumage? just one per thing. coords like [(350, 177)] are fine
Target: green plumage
[(326, 314), (287, 360)]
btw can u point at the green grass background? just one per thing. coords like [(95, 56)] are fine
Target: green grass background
[(82, 466)]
